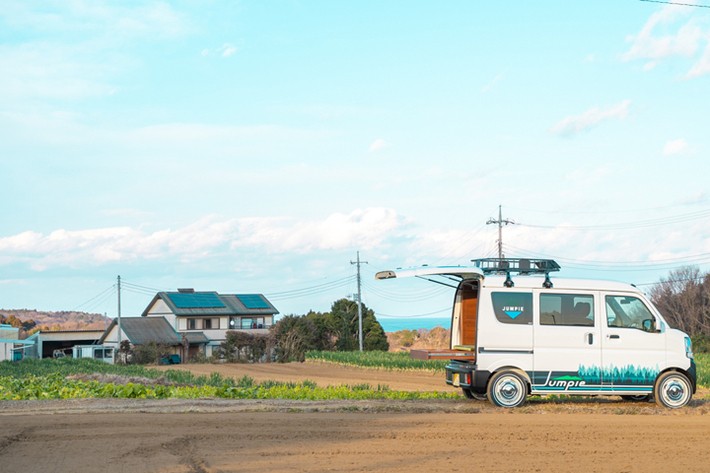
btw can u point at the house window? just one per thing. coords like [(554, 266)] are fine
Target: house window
[(191, 324), (207, 324)]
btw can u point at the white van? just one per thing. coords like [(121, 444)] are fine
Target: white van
[(530, 334)]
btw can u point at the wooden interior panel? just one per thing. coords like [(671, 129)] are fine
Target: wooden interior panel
[(469, 314)]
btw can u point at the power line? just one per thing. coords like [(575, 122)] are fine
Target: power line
[(447, 310), (105, 293), (701, 214), (676, 3), (138, 286), (590, 265), (419, 296), (310, 291)]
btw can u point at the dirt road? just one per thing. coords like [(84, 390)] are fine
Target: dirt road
[(207, 435), (349, 442)]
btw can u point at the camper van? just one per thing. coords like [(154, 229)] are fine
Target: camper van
[(527, 333)]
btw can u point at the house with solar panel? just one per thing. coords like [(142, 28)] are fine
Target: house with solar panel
[(204, 317)]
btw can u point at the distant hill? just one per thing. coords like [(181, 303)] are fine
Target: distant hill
[(31, 320)]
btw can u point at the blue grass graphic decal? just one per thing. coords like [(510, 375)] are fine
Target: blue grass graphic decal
[(625, 375)]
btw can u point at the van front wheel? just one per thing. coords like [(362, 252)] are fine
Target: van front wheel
[(507, 389), (672, 390)]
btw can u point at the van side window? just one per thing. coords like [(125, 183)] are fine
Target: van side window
[(513, 307), (567, 309), (628, 312)]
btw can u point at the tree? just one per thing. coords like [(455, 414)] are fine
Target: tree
[(345, 315), (684, 300), (293, 336), (326, 333), (244, 346)]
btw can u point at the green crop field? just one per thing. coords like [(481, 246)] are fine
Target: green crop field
[(70, 379), (377, 359), (73, 379), (702, 361)]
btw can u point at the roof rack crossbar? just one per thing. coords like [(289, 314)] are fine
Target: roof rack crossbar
[(516, 265)]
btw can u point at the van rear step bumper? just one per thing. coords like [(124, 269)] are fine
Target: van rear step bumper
[(462, 374), (442, 355)]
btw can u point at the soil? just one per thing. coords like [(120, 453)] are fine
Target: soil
[(207, 435), (324, 374)]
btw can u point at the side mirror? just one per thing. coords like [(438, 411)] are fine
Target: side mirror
[(649, 325)]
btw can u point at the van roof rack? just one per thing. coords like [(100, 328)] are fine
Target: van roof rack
[(516, 265)]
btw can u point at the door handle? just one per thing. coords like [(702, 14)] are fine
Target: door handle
[(590, 338), (614, 336)]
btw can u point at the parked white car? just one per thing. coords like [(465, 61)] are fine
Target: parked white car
[(532, 334)]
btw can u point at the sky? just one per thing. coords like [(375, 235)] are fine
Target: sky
[(257, 146)]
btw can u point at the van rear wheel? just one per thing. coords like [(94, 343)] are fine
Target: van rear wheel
[(470, 394), (672, 390), (507, 388)]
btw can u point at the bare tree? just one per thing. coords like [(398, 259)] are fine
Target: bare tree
[(684, 300)]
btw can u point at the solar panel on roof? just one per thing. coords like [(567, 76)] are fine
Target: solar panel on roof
[(195, 300), (253, 301)]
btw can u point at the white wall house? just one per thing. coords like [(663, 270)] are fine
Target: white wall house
[(8, 338), (206, 316)]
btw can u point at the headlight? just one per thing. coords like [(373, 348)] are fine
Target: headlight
[(688, 348)]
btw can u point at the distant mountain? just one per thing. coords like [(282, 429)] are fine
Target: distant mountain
[(31, 320)]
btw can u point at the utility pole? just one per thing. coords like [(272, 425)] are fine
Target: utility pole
[(359, 297), (118, 285), (500, 223)]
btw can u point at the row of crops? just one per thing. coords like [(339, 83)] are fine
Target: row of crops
[(85, 378), (377, 359)]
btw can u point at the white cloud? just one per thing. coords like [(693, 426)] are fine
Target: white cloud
[(209, 236), (378, 145), (674, 147), (363, 229), (592, 117), (702, 65), (227, 50), (120, 21), (490, 85), (661, 38)]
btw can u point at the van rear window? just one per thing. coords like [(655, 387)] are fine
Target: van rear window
[(513, 307), (567, 309)]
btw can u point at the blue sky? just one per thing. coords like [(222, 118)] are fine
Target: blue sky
[(255, 146)]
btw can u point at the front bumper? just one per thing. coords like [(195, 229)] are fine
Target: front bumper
[(692, 372)]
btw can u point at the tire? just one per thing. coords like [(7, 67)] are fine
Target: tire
[(474, 395), (507, 388), (636, 397), (672, 390)]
